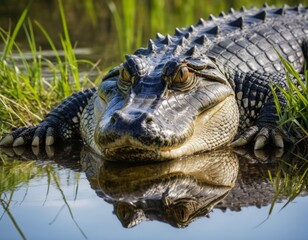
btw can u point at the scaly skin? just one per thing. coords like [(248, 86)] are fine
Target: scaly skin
[(192, 92)]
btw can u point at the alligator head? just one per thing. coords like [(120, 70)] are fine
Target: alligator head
[(150, 109), (176, 192)]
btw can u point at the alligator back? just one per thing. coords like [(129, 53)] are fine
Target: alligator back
[(244, 40), (204, 87)]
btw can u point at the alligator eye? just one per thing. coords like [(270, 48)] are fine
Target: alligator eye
[(181, 75), (125, 80), (125, 75)]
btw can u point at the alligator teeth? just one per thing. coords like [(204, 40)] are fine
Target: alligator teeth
[(18, 142), (7, 140), (36, 141), (49, 140), (237, 23), (261, 15)]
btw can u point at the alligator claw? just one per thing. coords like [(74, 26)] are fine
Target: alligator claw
[(261, 137), (36, 141), (246, 137), (7, 140), (18, 142), (50, 139), (277, 137), (34, 135)]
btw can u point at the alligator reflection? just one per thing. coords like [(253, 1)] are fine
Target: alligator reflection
[(180, 191), (175, 192)]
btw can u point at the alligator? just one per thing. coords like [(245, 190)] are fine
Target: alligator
[(205, 87)]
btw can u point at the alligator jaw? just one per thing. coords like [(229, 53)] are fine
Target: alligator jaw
[(204, 138)]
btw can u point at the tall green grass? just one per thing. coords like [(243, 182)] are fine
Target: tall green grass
[(292, 175), (295, 115), (30, 82)]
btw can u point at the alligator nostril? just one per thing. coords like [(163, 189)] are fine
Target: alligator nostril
[(112, 120), (115, 116), (149, 120)]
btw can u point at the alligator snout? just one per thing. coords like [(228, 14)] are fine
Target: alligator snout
[(134, 128), (120, 119), (139, 130)]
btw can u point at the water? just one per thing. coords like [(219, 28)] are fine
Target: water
[(64, 195), (75, 195)]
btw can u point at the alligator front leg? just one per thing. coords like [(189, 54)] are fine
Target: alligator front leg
[(258, 114), (60, 124)]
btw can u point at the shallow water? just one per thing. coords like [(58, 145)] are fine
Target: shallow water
[(72, 195), (75, 195)]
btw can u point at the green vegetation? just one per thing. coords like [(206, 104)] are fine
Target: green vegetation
[(136, 21), (295, 115), (31, 83), (291, 177)]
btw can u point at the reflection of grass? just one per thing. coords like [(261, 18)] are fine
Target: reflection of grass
[(5, 206), (14, 174), (54, 177), (17, 174), (292, 176)]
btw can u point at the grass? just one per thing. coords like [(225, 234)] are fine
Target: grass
[(32, 85), (292, 175), (295, 115)]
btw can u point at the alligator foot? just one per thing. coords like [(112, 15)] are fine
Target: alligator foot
[(34, 135), (261, 136)]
